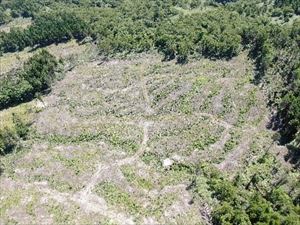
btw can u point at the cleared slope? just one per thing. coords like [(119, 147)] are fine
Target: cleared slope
[(103, 135)]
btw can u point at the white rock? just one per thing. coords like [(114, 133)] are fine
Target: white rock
[(167, 163), (177, 158)]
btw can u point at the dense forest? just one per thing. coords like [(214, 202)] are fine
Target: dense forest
[(269, 31), (36, 76)]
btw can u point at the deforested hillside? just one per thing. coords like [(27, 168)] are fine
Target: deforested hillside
[(124, 139), (149, 112)]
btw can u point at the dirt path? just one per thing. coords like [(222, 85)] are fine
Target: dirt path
[(232, 159), (91, 203), (219, 145), (100, 174), (142, 149)]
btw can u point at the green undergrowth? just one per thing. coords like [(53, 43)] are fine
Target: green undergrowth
[(185, 105), (153, 159), (178, 173), (31, 206), (159, 204), (233, 141), (79, 163), (11, 200), (165, 92), (175, 174), (117, 197), (204, 141), (128, 145), (14, 127), (250, 102), (213, 92), (59, 213), (186, 136), (136, 179), (56, 182)]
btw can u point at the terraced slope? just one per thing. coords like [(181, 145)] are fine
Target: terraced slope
[(117, 142)]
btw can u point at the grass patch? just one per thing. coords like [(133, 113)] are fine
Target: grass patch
[(32, 204), (204, 141), (250, 101), (79, 163), (14, 126), (227, 103), (178, 173), (130, 146), (12, 200), (152, 159), (56, 183), (215, 90), (167, 91), (59, 213), (24, 111), (233, 141), (185, 102), (160, 204), (116, 197), (107, 222), (13, 60), (136, 179)]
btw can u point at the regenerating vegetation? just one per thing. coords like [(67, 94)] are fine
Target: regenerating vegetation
[(90, 128)]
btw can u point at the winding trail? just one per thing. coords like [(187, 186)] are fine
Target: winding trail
[(91, 202), (142, 149), (85, 198)]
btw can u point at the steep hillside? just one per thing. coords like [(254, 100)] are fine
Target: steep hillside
[(150, 112), (121, 141)]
